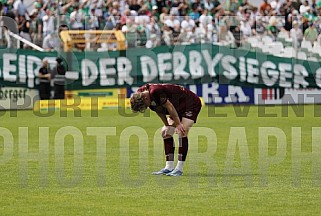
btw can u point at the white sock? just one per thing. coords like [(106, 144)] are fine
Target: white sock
[(180, 165), (169, 165)]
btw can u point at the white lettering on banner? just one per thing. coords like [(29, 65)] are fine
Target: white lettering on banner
[(195, 67), (318, 77), (105, 71), (284, 74), (242, 69), (253, 72), (211, 63), (269, 76), (234, 91), (124, 67), (149, 68), (299, 73), (33, 71), (165, 66), (213, 91), (8, 67), (22, 69), (89, 72), (227, 63), (179, 63)]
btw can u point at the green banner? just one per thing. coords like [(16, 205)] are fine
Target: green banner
[(191, 64)]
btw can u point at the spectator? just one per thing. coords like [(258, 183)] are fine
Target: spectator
[(134, 6), (93, 22), (48, 23), (24, 28), (311, 33), (259, 27), (183, 8), (245, 25), (20, 8), (59, 80), (51, 42), (296, 33), (44, 81), (272, 28), (188, 24), (208, 5), (237, 34), (276, 6), (296, 4), (76, 19), (265, 8)]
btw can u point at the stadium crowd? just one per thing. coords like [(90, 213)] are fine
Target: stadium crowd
[(150, 23)]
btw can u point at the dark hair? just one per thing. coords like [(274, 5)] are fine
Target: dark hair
[(59, 60)]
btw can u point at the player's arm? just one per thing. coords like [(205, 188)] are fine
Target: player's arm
[(173, 113), (162, 116)]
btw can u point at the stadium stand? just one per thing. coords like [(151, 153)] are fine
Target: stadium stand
[(273, 27)]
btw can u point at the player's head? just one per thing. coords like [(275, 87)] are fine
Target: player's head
[(138, 102)]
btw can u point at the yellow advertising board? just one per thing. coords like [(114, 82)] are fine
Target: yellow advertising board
[(83, 103)]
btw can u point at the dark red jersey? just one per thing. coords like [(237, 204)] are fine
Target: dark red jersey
[(186, 103)]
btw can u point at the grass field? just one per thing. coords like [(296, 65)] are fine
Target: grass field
[(113, 176)]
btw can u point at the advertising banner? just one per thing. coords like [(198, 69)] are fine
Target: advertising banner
[(190, 64)]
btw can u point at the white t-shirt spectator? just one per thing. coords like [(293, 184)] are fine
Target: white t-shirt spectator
[(76, 19), (20, 7), (188, 25), (170, 22), (208, 5), (276, 5), (246, 28), (48, 25), (205, 20)]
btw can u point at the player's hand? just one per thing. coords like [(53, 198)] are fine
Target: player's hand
[(180, 130), (167, 131)]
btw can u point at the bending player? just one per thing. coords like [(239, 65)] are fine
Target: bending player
[(182, 106)]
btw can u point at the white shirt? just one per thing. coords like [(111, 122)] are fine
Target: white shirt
[(188, 25)]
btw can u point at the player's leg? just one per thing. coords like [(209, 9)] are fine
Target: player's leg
[(169, 147), (183, 147)]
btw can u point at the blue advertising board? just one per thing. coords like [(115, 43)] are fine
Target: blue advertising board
[(214, 93)]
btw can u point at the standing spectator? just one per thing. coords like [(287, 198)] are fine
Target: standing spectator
[(134, 6), (208, 4), (246, 5), (304, 7), (51, 42), (237, 34), (93, 22), (272, 28), (314, 8), (174, 8), (20, 9), (58, 76), (24, 28), (296, 4), (259, 27), (311, 33), (76, 19), (245, 25), (163, 15), (183, 8), (195, 14), (276, 6), (44, 79), (48, 23), (187, 24), (296, 33), (265, 8)]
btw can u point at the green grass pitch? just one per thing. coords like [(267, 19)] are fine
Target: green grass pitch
[(233, 166)]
